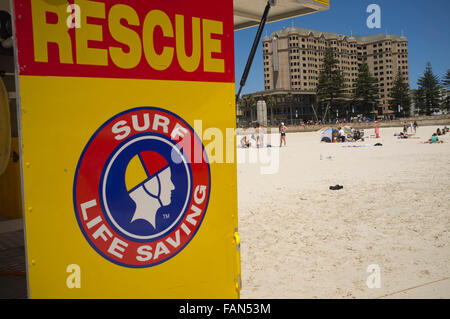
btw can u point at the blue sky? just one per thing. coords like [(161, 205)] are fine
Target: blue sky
[(426, 26)]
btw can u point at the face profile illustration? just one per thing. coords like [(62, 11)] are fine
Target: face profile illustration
[(149, 185)]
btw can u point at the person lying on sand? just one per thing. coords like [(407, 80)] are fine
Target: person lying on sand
[(403, 135)]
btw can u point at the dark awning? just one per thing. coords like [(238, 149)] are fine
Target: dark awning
[(247, 13)]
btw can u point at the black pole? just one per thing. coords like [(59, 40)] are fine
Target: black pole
[(253, 50)]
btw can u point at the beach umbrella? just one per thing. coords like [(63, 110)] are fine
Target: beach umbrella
[(347, 130)]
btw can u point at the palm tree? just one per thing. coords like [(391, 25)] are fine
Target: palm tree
[(270, 100), (251, 103), (289, 101)]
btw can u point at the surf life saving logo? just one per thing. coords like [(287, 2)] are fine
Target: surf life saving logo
[(139, 197)]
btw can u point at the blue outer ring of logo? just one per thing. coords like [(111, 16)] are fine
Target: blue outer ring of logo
[(80, 225)]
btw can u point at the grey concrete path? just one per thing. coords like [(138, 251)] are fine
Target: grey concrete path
[(12, 260)]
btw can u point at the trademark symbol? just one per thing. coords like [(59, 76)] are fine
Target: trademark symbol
[(166, 216)]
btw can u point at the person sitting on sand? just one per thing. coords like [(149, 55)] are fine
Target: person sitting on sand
[(438, 132), (341, 134), (245, 142), (446, 130), (434, 140)]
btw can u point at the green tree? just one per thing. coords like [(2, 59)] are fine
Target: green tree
[(366, 92), (400, 96), (330, 85), (419, 101), (446, 84), (430, 89), (445, 104), (446, 80)]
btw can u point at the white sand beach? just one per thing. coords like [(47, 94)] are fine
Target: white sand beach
[(299, 239)]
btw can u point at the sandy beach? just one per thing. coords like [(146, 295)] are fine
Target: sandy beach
[(299, 239)]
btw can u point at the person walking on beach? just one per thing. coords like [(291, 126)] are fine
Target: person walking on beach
[(282, 130), (415, 126), (405, 128)]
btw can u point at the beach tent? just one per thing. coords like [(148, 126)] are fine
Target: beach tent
[(329, 134)]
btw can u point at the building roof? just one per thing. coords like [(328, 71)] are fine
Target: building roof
[(333, 35)]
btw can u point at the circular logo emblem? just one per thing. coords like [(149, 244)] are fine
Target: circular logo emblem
[(142, 187)]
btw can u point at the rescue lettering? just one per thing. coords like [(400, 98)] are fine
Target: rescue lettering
[(125, 39)]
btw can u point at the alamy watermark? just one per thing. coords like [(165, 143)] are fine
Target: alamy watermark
[(374, 279), (374, 19), (245, 146), (218, 146)]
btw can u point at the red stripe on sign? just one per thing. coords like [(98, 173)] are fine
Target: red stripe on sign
[(164, 40)]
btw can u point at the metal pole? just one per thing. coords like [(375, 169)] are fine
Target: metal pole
[(3, 73), (253, 50), (325, 115), (315, 114)]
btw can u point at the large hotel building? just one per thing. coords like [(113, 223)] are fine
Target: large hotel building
[(294, 56)]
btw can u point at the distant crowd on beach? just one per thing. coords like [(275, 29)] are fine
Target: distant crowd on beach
[(435, 139), (337, 121), (341, 121), (404, 134), (342, 134), (257, 138), (413, 127)]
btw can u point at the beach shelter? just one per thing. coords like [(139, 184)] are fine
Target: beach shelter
[(329, 134)]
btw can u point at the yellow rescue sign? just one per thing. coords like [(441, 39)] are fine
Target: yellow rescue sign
[(121, 196)]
